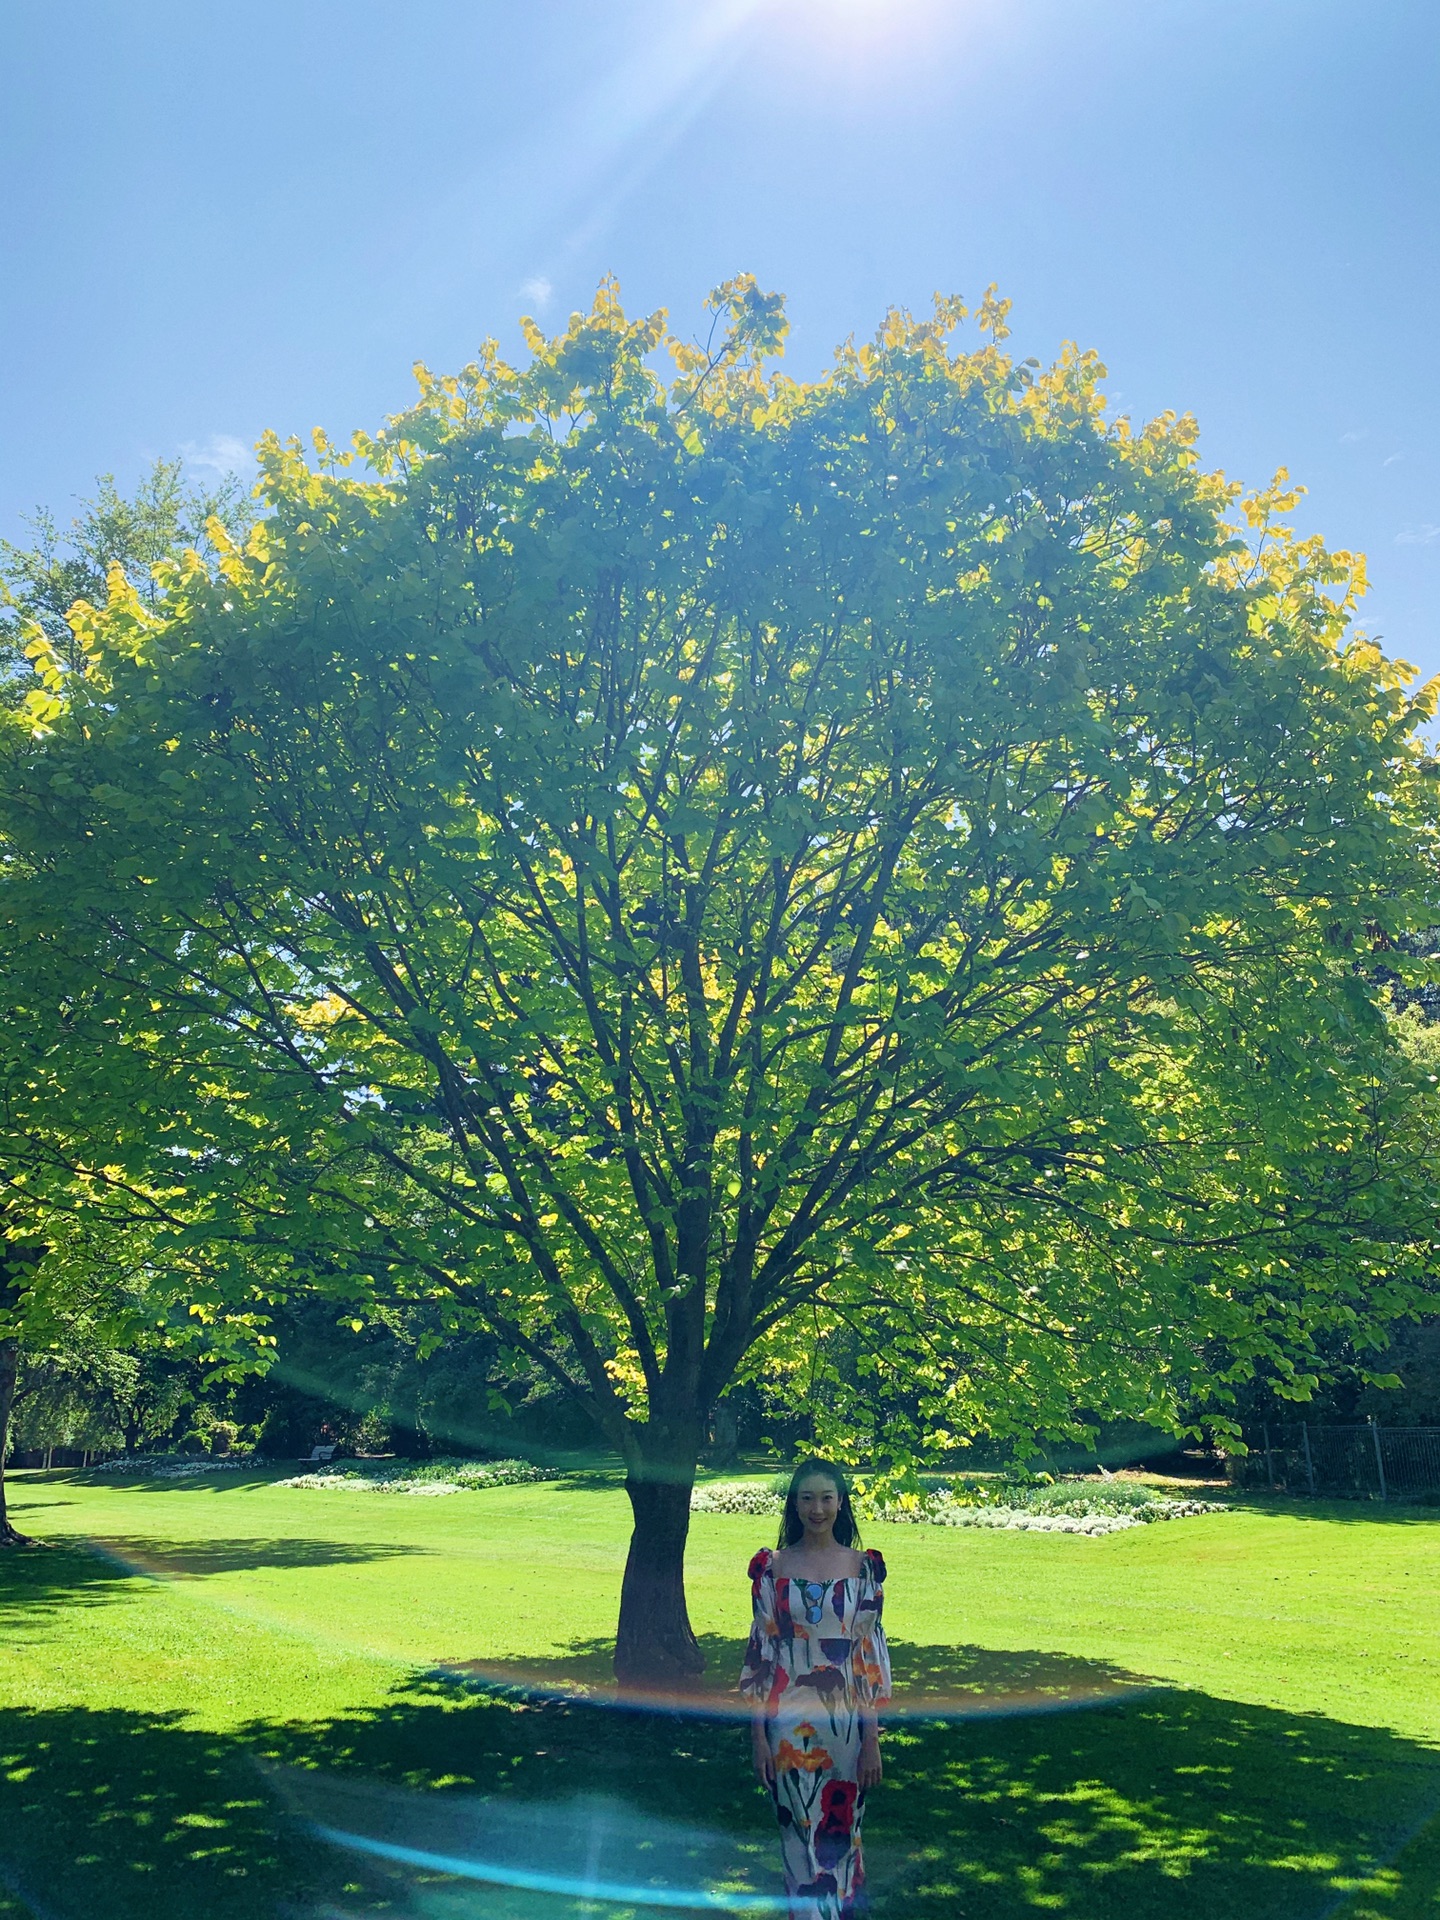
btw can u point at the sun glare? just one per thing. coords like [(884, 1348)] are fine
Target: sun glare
[(867, 17), (844, 30)]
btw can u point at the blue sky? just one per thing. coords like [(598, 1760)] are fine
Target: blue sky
[(220, 218)]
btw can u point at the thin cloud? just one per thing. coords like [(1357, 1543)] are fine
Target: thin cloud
[(1349, 439), (222, 453), (539, 290), (1424, 534)]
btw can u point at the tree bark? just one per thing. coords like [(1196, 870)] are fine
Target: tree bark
[(9, 1363), (655, 1646)]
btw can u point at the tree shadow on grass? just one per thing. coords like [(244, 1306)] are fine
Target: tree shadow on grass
[(1157, 1804), (1399, 1511), (193, 1559), (42, 1579), (115, 1815), (1173, 1803), (227, 1479), (929, 1681)]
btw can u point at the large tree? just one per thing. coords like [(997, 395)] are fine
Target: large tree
[(674, 871)]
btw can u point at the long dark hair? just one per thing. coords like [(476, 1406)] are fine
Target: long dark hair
[(792, 1527)]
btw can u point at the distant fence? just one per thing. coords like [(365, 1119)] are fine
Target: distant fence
[(1372, 1461)]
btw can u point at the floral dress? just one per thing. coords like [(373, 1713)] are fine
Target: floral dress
[(816, 1663)]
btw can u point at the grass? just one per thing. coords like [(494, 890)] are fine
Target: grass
[(192, 1671)]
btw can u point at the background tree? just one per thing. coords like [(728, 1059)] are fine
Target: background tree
[(18, 1258), (660, 872), (165, 515), (84, 1391), (39, 583)]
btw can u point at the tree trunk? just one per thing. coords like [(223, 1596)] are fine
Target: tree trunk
[(655, 1647), (9, 1362), (724, 1435)]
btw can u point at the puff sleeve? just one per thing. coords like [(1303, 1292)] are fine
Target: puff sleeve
[(761, 1666), (870, 1660)]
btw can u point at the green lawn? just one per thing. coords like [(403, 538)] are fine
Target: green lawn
[(191, 1673)]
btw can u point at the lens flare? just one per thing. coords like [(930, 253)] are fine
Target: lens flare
[(588, 1848), (961, 1684), (529, 1880)]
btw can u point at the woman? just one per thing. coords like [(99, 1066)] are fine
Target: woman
[(817, 1670)]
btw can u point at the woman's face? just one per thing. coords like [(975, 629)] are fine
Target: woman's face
[(817, 1501)]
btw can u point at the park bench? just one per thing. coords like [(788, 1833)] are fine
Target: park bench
[(321, 1453)]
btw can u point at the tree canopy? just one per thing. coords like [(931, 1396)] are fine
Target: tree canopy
[(870, 880)]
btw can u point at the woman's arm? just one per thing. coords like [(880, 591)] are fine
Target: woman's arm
[(760, 1751), (872, 1768)]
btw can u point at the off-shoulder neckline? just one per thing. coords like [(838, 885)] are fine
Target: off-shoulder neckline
[(871, 1561), (772, 1554)]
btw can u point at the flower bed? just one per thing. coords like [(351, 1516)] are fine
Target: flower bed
[(430, 1478), (1066, 1506), (1077, 1515), (736, 1496), (169, 1466)]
